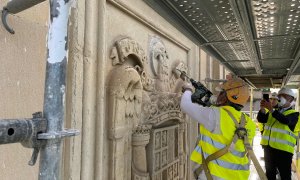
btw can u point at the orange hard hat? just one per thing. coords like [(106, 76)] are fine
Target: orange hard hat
[(237, 91)]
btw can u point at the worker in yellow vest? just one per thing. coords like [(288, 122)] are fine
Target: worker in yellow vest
[(217, 154), (274, 103), (279, 137)]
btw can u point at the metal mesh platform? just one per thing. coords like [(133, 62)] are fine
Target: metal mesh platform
[(257, 40)]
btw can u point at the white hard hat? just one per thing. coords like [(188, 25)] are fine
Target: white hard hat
[(287, 91), (274, 96)]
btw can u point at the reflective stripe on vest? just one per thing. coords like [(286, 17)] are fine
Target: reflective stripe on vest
[(219, 145), (281, 131), (225, 164), (278, 135), (284, 142)]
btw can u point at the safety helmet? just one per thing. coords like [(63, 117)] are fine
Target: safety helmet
[(237, 91), (274, 96), (287, 91)]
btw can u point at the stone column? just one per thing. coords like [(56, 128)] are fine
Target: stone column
[(140, 138)]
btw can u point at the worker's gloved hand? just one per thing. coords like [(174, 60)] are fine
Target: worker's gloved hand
[(213, 100), (187, 86)]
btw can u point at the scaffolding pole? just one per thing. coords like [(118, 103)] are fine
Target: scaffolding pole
[(251, 102), (55, 86)]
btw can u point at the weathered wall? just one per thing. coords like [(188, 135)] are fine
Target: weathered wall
[(22, 69), (92, 66)]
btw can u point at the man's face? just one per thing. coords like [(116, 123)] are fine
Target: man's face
[(273, 101), (221, 99), (288, 99)]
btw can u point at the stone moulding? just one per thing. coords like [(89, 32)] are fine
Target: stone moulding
[(165, 117)]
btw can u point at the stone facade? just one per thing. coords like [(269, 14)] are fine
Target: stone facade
[(123, 94)]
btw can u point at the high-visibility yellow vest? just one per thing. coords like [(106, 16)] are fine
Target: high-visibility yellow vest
[(297, 127), (278, 135), (234, 164), (260, 126)]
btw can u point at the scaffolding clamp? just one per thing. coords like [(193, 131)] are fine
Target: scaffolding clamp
[(30, 133), (24, 131), (59, 135)]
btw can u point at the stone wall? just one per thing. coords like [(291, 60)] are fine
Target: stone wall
[(133, 90), (123, 91)]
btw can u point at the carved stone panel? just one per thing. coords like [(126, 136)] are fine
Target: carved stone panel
[(163, 153), (146, 127)]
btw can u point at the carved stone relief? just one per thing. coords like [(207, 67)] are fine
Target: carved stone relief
[(125, 98), (163, 153), (146, 128), (176, 80), (159, 64)]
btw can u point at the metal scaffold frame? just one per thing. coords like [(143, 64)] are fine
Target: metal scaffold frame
[(44, 132)]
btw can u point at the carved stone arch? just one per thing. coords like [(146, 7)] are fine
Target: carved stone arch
[(171, 116), (124, 104), (125, 48)]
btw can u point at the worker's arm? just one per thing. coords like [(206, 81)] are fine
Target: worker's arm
[(263, 113), (204, 115), (290, 120), (262, 117)]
